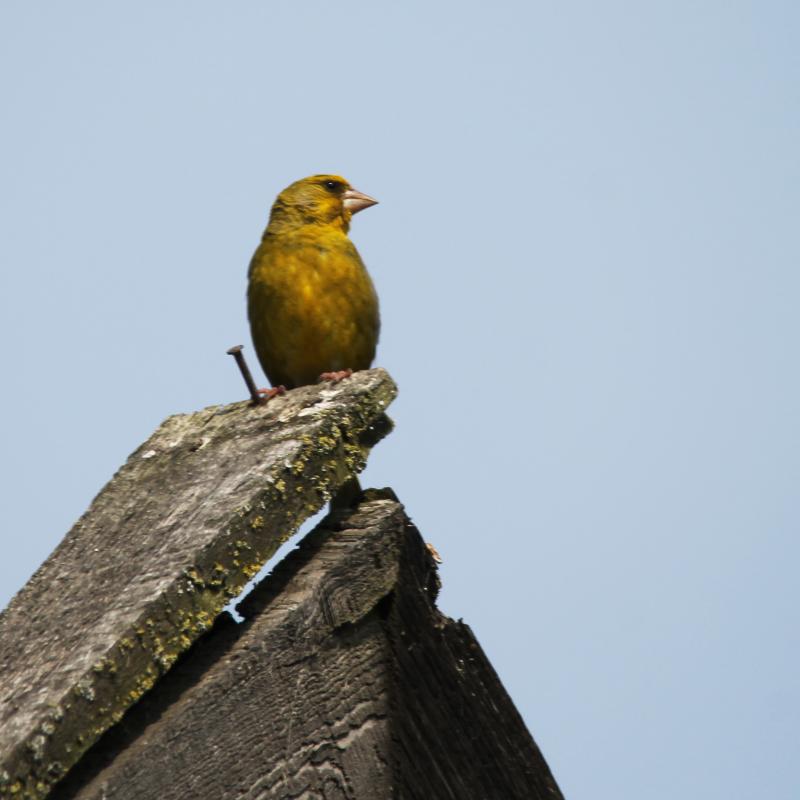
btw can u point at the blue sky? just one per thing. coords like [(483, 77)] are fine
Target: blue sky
[(587, 255)]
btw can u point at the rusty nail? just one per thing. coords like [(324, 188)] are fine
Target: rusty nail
[(237, 354)]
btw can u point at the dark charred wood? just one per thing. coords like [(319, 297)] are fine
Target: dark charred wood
[(344, 681)]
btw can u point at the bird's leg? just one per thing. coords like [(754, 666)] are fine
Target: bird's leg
[(335, 376), (268, 394)]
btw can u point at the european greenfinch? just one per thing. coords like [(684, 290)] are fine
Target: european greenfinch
[(312, 306)]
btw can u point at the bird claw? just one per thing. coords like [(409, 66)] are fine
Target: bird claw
[(335, 376), (266, 395)]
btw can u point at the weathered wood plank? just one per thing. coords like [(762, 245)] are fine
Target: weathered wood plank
[(177, 532), (344, 682)]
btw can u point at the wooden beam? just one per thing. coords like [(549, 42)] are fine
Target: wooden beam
[(178, 532), (344, 681)]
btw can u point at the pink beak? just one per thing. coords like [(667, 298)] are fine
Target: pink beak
[(355, 201)]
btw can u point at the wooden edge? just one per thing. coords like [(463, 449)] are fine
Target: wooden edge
[(59, 732)]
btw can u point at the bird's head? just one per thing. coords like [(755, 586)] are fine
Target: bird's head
[(318, 200)]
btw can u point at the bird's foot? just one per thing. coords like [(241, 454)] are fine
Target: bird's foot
[(267, 394), (335, 376)]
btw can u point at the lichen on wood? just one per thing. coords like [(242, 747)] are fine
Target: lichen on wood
[(344, 681), (180, 529)]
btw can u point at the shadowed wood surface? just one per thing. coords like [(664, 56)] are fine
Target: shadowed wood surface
[(344, 681), (185, 523)]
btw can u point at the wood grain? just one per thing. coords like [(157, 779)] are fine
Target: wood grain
[(178, 531), (343, 682)]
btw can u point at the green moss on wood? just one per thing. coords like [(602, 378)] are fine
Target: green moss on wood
[(179, 614)]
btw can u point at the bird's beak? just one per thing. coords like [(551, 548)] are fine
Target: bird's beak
[(355, 201)]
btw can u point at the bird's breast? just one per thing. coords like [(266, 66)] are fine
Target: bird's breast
[(312, 309)]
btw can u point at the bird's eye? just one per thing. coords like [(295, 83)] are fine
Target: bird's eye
[(332, 185)]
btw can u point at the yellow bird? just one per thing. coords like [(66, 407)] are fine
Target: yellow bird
[(312, 306)]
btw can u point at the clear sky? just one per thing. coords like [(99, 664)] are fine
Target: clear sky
[(587, 254)]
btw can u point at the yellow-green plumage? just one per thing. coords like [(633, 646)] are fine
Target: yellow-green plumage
[(311, 302)]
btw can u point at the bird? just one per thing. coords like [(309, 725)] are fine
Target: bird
[(312, 306)]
